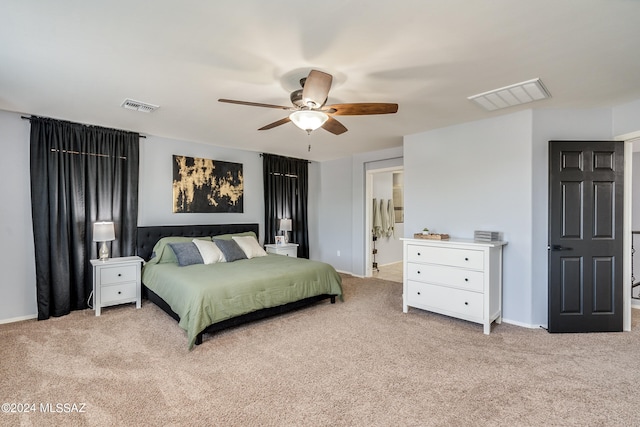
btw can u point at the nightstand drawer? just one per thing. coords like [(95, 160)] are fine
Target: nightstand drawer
[(292, 252), (118, 274), (115, 293), (287, 249)]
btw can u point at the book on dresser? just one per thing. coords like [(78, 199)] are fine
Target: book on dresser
[(458, 277)]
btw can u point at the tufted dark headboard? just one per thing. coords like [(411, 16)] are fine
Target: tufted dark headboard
[(149, 236)]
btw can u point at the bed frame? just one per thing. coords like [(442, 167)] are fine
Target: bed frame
[(146, 240)]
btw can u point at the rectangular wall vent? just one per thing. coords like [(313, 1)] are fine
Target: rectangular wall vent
[(144, 107), (509, 96)]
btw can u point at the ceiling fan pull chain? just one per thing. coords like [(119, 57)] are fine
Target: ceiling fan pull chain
[(309, 149)]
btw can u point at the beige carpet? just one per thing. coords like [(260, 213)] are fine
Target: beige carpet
[(362, 362)]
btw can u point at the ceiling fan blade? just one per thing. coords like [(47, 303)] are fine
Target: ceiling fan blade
[(316, 89), (274, 124), (334, 126), (361, 109), (256, 104)]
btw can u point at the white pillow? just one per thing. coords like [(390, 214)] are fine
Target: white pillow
[(249, 246), (209, 252)]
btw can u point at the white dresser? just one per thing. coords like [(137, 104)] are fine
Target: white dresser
[(458, 278), (116, 281)]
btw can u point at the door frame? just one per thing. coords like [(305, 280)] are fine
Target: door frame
[(581, 318), (627, 237), (368, 196), (628, 139)]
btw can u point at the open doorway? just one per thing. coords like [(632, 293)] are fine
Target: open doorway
[(384, 225)]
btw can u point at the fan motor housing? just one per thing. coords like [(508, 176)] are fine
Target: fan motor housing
[(296, 98)]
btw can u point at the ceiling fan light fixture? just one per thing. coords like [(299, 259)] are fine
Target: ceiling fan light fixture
[(308, 120)]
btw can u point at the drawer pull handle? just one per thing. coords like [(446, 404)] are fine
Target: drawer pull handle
[(466, 279), (419, 254), (119, 292), (466, 303), (466, 259), (119, 274), (418, 271), (418, 293)]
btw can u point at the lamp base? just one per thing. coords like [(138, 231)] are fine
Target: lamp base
[(104, 252)]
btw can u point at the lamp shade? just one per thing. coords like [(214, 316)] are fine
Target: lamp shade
[(308, 120), (285, 224), (103, 231)]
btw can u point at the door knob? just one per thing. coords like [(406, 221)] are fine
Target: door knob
[(559, 248)]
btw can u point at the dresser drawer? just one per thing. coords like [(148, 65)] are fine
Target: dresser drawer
[(465, 258), (464, 304), (116, 293), (471, 280), (118, 274)]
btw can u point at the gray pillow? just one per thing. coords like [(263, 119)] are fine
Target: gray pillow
[(230, 249), (187, 253)]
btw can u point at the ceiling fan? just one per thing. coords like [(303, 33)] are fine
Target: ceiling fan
[(309, 111)]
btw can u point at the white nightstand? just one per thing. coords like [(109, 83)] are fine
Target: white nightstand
[(116, 281), (288, 249)]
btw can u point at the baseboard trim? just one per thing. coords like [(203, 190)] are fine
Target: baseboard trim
[(18, 319), (344, 272), (522, 324), (390, 263)]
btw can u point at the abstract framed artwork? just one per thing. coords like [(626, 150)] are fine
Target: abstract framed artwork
[(206, 186)]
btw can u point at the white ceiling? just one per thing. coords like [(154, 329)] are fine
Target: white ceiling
[(79, 59)]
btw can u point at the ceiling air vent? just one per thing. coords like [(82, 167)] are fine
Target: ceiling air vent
[(144, 107), (509, 96)]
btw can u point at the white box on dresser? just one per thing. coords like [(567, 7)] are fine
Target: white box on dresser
[(458, 278), (116, 281)]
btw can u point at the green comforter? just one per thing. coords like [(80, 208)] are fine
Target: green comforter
[(205, 294)]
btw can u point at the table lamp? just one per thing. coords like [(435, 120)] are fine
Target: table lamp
[(103, 232), (285, 227)]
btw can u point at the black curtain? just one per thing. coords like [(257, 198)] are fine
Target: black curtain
[(79, 175), (286, 182)]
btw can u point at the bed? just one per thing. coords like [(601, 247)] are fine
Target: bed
[(205, 298)]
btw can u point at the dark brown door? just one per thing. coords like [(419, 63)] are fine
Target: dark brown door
[(585, 236)]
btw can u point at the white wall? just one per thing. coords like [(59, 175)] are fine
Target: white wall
[(18, 283), (334, 213), (156, 175), (341, 209), (593, 124), (626, 118), (477, 176), (313, 203)]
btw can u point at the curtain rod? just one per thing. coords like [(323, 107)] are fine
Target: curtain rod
[(308, 161), (141, 136)]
